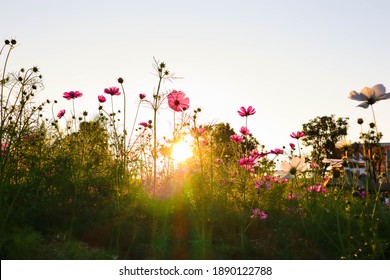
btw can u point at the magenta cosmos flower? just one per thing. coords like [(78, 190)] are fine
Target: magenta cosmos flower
[(112, 91), (72, 95), (61, 113), (258, 214), (142, 96), (297, 135), (178, 101), (244, 131), (276, 151), (101, 99), (236, 138), (246, 112), (144, 124)]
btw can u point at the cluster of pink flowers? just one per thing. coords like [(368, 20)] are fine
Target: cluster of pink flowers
[(268, 180), (317, 188), (258, 214)]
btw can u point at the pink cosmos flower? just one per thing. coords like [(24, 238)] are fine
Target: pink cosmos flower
[(61, 113), (178, 101), (244, 131), (258, 214), (318, 188), (101, 99), (297, 135), (144, 124), (247, 163), (142, 96), (236, 139), (112, 91), (292, 145), (3, 148), (277, 151), (72, 95), (199, 131), (246, 112)]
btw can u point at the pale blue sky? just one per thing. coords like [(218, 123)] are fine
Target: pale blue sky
[(291, 60)]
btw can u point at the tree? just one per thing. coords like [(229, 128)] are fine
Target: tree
[(322, 133)]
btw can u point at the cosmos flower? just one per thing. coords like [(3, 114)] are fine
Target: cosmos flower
[(142, 96), (258, 214), (72, 95), (246, 112), (343, 144), (247, 163), (144, 124), (236, 138), (101, 99), (112, 91), (244, 131), (297, 135), (178, 101), (291, 169), (61, 113), (369, 95), (277, 151)]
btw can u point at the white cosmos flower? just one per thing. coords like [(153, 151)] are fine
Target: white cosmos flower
[(369, 95), (291, 169), (343, 144)]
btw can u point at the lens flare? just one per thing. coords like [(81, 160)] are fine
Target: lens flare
[(181, 151)]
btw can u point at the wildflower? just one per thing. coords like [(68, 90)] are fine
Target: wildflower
[(343, 144), (292, 146), (290, 170), (72, 95), (112, 91), (369, 95), (199, 131), (101, 99), (61, 113), (218, 161), (247, 163), (144, 124), (276, 151), (297, 135), (3, 148), (244, 131), (291, 196), (178, 101), (236, 139), (258, 214), (142, 96), (246, 112)]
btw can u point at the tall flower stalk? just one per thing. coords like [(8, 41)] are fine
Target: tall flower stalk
[(155, 103)]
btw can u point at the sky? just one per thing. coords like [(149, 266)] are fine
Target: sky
[(291, 60)]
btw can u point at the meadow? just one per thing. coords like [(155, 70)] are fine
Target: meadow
[(94, 185)]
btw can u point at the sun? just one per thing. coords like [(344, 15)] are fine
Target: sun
[(181, 151)]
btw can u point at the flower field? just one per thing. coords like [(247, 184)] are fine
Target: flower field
[(96, 185)]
